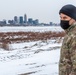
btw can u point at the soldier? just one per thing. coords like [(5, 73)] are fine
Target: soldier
[(67, 62)]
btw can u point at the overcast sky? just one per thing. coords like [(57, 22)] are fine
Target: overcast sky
[(44, 10)]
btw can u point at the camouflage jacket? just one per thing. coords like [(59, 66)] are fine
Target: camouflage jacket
[(67, 62)]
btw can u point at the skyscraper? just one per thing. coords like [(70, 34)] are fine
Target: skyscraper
[(15, 19), (25, 18), (21, 19), (30, 21), (36, 22)]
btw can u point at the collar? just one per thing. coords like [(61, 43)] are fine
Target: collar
[(71, 27)]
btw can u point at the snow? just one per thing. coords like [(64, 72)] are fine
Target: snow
[(31, 29), (37, 57), (32, 58)]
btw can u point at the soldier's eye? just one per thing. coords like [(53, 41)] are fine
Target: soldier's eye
[(64, 17)]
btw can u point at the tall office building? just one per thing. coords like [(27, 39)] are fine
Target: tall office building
[(30, 21), (21, 19), (36, 22), (25, 18), (15, 19)]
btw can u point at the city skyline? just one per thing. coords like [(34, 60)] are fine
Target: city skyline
[(45, 11), (25, 21), (20, 20)]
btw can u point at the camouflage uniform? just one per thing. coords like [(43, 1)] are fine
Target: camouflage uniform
[(67, 63)]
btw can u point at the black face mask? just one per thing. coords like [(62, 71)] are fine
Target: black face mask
[(64, 24)]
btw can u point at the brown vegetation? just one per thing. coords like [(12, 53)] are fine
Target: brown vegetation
[(28, 36), (16, 37)]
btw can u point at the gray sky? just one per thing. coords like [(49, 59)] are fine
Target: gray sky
[(44, 10)]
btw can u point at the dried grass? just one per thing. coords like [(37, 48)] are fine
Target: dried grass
[(28, 36)]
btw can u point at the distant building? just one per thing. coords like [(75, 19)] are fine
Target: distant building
[(51, 23), (15, 19), (11, 22), (30, 21), (25, 18), (36, 22), (3, 22), (21, 20)]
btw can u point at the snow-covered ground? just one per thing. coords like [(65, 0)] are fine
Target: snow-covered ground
[(30, 58), (40, 57), (31, 28)]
